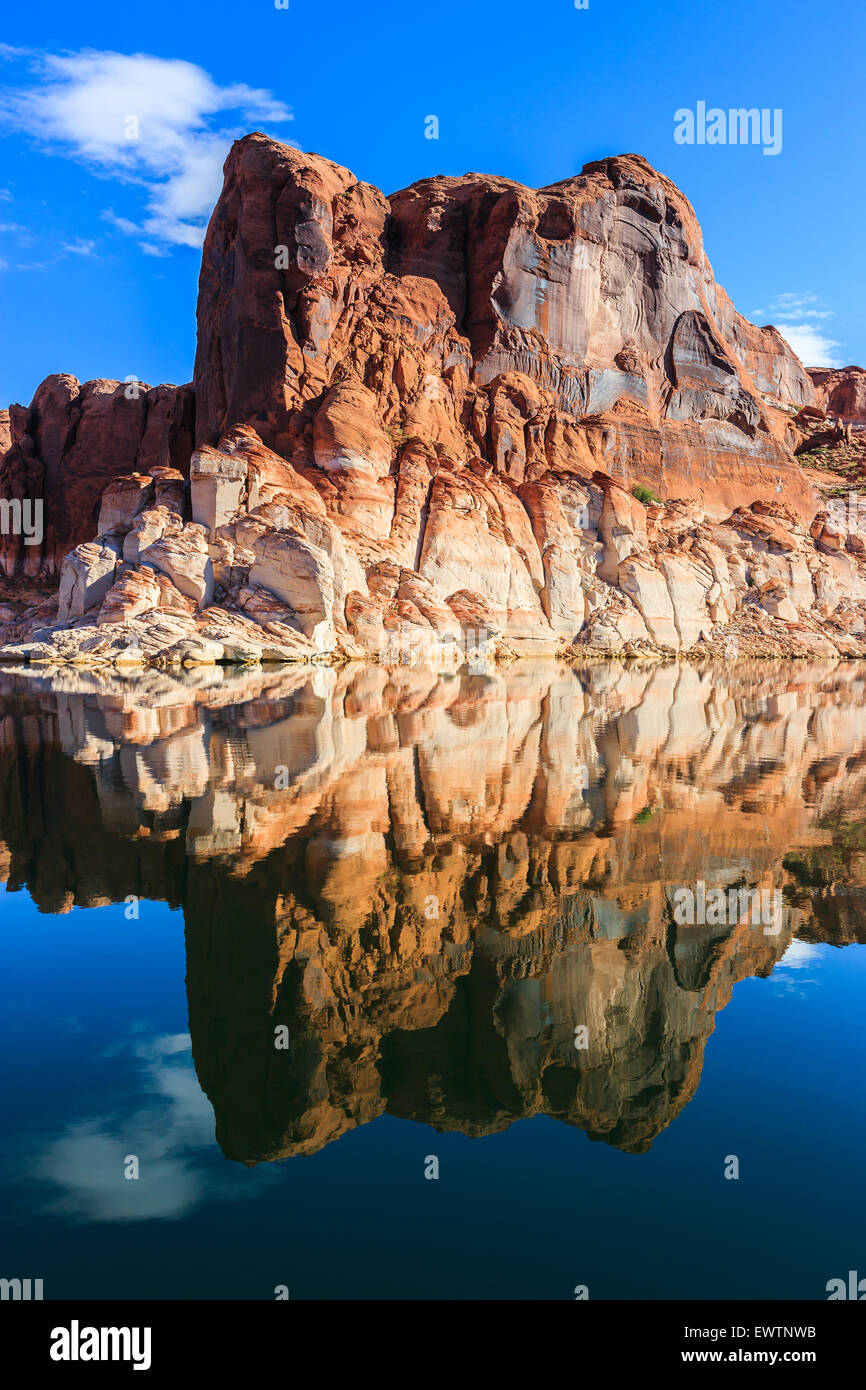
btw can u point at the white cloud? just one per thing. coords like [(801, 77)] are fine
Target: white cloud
[(797, 317), (151, 122), (801, 306), (813, 348), (123, 224), (80, 247)]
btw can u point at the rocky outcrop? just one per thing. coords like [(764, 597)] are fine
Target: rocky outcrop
[(87, 575), (75, 441), (841, 391), (597, 290), (469, 407)]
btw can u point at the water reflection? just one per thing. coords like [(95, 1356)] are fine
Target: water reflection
[(457, 895), (173, 1121)]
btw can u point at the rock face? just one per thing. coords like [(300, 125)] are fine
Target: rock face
[(87, 575), (428, 415), (595, 293), (841, 391), (74, 441)]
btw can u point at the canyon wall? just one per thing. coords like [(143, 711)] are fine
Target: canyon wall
[(429, 413)]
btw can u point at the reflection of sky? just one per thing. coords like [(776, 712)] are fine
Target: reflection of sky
[(798, 969), (97, 1027), (96, 1081), (798, 956), (85, 1164)]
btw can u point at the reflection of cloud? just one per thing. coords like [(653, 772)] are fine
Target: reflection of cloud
[(69, 1023), (85, 1164), (798, 955)]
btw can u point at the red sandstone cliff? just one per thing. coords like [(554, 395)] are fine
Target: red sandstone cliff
[(841, 391), (427, 413)]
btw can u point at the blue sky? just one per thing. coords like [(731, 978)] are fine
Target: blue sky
[(99, 233)]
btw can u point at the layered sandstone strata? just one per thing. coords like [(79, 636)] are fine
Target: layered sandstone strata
[(428, 414)]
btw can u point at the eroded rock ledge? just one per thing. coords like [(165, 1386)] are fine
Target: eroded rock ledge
[(428, 415)]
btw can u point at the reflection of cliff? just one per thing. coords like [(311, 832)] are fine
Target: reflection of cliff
[(433, 882)]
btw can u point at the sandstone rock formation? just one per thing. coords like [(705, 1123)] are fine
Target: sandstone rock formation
[(841, 391), (428, 414)]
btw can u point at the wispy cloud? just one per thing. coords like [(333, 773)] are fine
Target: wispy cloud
[(123, 224), (798, 318), (79, 247), (155, 123), (798, 956), (814, 349), (15, 231), (803, 306), (8, 52)]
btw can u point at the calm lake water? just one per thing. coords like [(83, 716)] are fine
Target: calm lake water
[(286, 944)]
